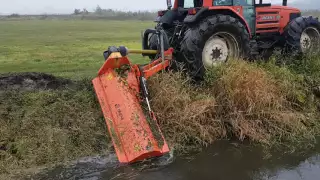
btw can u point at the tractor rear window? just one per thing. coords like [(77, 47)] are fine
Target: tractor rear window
[(233, 2), (222, 2), (246, 2), (188, 4)]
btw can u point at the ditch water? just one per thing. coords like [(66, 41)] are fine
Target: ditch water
[(223, 161)]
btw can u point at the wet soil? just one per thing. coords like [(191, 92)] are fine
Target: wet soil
[(32, 81), (316, 91)]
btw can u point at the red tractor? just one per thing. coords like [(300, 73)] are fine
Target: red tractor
[(198, 34), (204, 33)]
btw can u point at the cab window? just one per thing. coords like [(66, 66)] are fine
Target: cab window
[(190, 3), (233, 2), (243, 2), (222, 2)]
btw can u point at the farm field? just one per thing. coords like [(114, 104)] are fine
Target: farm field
[(71, 49)]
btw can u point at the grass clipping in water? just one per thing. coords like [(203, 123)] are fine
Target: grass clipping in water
[(238, 100)]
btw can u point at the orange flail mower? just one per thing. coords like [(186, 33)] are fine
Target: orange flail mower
[(122, 93)]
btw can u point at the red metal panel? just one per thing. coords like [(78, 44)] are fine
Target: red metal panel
[(133, 137), (272, 14), (207, 3), (175, 6)]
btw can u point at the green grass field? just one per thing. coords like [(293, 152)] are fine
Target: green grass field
[(71, 49)]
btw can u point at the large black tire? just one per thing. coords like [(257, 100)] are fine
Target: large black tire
[(196, 37), (294, 31)]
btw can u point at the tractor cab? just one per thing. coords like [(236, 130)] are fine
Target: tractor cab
[(259, 15)]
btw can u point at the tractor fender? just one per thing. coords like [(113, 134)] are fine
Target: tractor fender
[(208, 11)]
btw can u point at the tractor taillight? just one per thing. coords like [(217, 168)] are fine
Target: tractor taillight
[(160, 13), (192, 11)]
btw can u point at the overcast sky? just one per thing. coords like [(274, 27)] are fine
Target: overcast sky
[(67, 6)]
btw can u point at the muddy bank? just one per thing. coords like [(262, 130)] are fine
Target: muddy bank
[(32, 81), (47, 120)]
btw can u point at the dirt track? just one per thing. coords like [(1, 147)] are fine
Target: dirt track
[(32, 81)]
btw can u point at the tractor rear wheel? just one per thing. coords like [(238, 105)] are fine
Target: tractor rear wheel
[(213, 41), (303, 36)]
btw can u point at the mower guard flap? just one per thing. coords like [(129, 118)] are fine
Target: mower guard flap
[(135, 135)]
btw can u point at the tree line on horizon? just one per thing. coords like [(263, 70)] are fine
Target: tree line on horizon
[(116, 14), (97, 13), (109, 14)]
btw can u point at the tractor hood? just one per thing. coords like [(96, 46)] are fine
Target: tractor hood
[(284, 8)]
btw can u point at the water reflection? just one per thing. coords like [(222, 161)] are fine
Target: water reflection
[(223, 161)]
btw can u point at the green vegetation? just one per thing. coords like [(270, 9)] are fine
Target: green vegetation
[(259, 102), (46, 127), (262, 103), (64, 48), (41, 127)]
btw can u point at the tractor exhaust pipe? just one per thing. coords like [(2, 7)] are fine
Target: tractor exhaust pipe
[(169, 4), (284, 3)]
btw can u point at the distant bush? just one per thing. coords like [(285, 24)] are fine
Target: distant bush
[(43, 17), (77, 11), (14, 15), (121, 15)]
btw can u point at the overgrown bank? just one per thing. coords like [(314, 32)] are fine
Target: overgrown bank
[(262, 103), (46, 124)]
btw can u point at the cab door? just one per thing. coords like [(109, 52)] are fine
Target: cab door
[(249, 13)]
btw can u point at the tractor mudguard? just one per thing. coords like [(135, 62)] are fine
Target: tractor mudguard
[(194, 18), (168, 18)]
